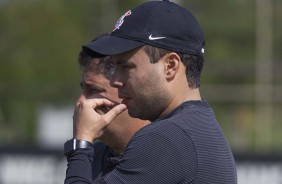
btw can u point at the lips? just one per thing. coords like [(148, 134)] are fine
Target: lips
[(125, 99)]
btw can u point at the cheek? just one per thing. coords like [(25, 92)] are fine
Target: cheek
[(154, 83), (145, 78), (112, 95)]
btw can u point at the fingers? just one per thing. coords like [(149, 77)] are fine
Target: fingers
[(102, 110), (109, 116), (91, 116), (97, 102)]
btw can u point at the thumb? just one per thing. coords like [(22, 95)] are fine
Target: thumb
[(114, 112)]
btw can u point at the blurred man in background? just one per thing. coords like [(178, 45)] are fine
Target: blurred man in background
[(95, 83)]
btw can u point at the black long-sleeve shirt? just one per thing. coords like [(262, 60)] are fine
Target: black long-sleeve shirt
[(187, 146)]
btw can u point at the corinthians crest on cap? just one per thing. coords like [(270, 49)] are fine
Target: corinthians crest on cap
[(121, 20)]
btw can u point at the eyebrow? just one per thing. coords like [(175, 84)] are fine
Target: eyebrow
[(121, 61)]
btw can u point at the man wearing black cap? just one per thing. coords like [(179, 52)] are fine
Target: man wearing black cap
[(158, 51)]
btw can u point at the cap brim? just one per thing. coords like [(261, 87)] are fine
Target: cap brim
[(110, 45)]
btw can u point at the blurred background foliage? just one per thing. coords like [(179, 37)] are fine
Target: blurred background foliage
[(40, 41)]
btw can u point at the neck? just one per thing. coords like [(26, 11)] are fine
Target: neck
[(182, 95)]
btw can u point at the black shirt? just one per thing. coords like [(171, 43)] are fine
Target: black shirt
[(187, 146)]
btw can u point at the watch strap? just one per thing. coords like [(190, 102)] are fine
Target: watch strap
[(74, 144)]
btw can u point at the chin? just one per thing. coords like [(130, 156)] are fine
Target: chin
[(132, 113), (138, 115), (142, 116)]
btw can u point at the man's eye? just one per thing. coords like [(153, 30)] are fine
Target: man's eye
[(126, 66), (93, 91)]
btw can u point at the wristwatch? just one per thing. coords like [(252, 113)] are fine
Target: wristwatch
[(74, 144)]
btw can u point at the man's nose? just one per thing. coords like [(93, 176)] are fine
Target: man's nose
[(116, 80)]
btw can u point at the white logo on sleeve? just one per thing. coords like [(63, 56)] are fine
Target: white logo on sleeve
[(155, 38)]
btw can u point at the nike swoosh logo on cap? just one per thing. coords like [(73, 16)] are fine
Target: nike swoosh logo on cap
[(155, 38)]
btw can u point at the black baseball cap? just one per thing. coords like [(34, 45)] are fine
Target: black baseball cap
[(162, 24)]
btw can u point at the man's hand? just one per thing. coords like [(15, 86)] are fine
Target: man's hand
[(88, 121)]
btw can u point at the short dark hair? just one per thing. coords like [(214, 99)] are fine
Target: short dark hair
[(104, 64), (193, 63)]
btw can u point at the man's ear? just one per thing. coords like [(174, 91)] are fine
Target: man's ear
[(172, 64)]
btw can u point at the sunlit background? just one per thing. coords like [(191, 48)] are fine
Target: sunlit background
[(39, 80)]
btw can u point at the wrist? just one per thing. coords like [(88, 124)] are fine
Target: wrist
[(83, 134), (72, 145), (83, 137)]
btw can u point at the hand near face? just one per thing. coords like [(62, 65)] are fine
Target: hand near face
[(88, 121)]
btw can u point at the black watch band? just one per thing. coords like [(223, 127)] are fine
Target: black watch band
[(74, 144)]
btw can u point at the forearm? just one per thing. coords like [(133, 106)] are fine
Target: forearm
[(79, 169)]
